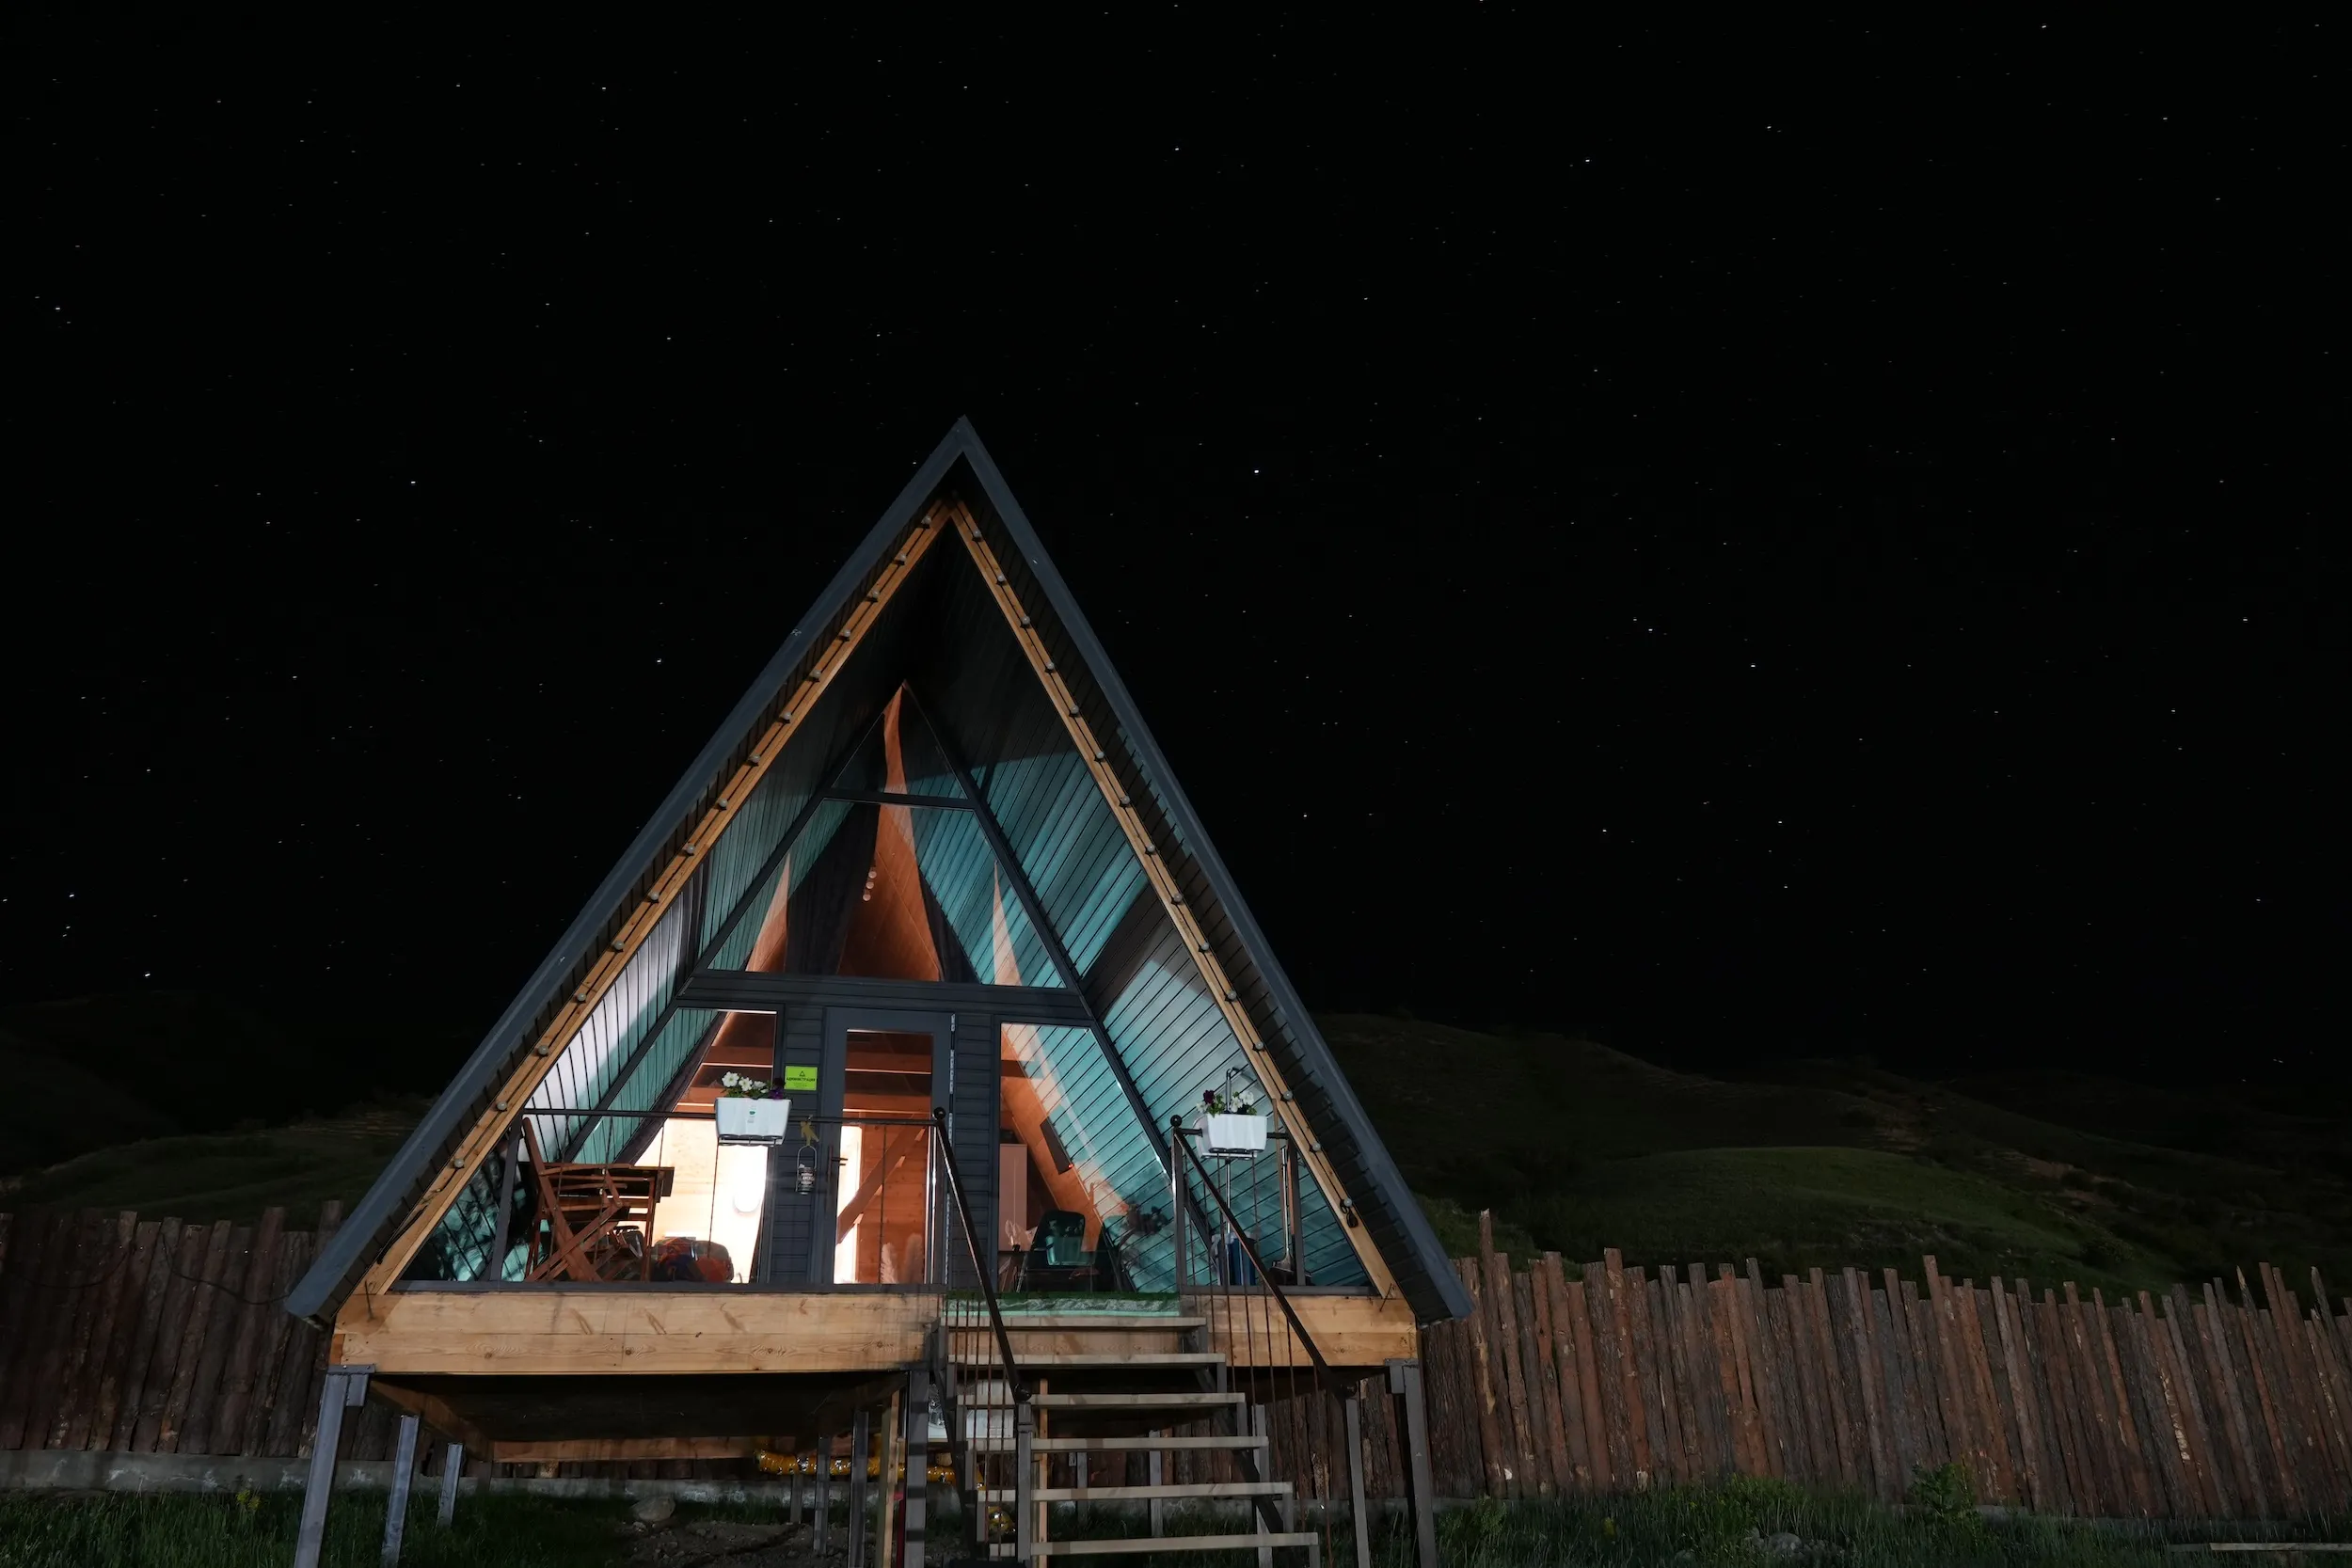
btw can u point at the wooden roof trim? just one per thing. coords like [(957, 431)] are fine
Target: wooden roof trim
[(1221, 989), (525, 1077)]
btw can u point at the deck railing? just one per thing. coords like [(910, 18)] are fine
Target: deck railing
[(1242, 1316), (986, 1401)]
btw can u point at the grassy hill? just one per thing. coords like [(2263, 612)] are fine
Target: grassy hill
[(216, 1175), (1574, 1145)]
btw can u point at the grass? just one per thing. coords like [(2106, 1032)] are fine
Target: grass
[(1709, 1527), (1574, 1146), (1793, 1208), (38, 1532), (202, 1177), (1732, 1525)]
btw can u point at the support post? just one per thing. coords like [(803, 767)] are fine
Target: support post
[(1404, 1382), (396, 1506), (1155, 1464), (1023, 1482), (452, 1466), (893, 1447), (918, 1448), (342, 1389), (822, 1535), (861, 1435), (1265, 1472), (1355, 1479)]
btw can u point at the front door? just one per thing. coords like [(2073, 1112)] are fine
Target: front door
[(879, 1219)]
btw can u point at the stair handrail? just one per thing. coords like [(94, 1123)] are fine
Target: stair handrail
[(979, 1266), (1323, 1369)]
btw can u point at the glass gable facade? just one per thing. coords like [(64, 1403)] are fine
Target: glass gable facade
[(812, 875)]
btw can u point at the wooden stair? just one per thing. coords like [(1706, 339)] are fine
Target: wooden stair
[(1105, 1375)]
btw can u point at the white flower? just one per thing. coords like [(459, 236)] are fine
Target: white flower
[(731, 1081)]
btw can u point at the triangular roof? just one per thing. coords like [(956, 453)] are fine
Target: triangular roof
[(1132, 896)]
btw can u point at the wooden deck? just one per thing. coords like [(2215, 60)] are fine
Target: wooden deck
[(563, 1330)]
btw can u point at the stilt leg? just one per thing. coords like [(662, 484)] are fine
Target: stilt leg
[(1265, 1472), (892, 1444), (1356, 1480), (917, 1448), (452, 1466), (396, 1506), (1024, 1482), (341, 1390), (1405, 1382), (824, 1536), (860, 1433)]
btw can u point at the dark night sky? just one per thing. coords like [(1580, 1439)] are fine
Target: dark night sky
[(1807, 540)]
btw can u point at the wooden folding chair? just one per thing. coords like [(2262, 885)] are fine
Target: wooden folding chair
[(590, 1212)]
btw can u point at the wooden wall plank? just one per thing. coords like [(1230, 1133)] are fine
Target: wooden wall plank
[(123, 1331), (1552, 1438), (1753, 1458), (1493, 1444), (1835, 1397), (1879, 1442), (291, 1387), (2180, 1385), (1565, 1317), (246, 1322), (2248, 1349), (1810, 1410), (1700, 1353), (171, 1337), (2110, 1496), (1904, 1376), (94, 1307), (1629, 1370), (2241, 1490), (67, 1290), (1503, 1338), (1985, 1419), (1740, 1428), (2128, 1435), (34, 1233), (2175, 1486), (195, 1319), (1642, 1312), (2063, 1445), (2023, 1400), (219, 1306), (154, 1287), (293, 1260), (1764, 1368), (1588, 1375), (1916, 1415), (1690, 1455), (2334, 1394), (2326, 1475)]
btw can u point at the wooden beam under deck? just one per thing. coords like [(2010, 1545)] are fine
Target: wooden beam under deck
[(564, 1330), (560, 1330), (1350, 1331), (585, 1449)]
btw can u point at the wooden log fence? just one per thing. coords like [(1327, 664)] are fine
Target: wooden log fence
[(2229, 1401)]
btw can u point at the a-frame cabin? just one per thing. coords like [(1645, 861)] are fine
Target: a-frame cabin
[(935, 882)]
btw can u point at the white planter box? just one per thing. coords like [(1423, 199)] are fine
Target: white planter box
[(1232, 1134), (753, 1121)]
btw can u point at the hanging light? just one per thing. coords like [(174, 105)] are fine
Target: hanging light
[(804, 1176)]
